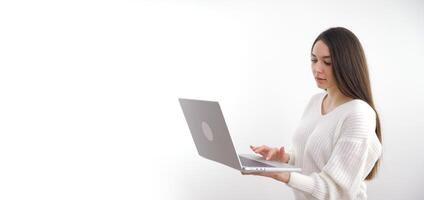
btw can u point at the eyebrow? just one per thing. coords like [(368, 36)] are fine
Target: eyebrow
[(322, 57)]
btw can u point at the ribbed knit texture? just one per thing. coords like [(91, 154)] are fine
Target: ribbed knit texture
[(336, 151)]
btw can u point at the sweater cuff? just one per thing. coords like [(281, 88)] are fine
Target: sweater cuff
[(301, 182)]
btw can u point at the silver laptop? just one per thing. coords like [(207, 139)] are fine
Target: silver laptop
[(213, 140)]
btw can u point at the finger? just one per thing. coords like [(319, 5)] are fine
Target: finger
[(260, 149), (264, 174), (267, 174), (279, 152), (250, 173), (282, 150), (262, 152), (270, 154), (257, 147), (256, 150)]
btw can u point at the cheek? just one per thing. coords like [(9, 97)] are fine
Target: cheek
[(329, 73), (330, 76)]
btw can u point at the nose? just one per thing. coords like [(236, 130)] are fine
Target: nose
[(317, 68)]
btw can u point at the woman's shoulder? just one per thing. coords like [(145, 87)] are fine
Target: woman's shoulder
[(360, 122), (360, 107), (360, 118), (317, 97), (311, 106), (315, 100)]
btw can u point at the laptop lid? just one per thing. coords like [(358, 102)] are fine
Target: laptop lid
[(209, 131)]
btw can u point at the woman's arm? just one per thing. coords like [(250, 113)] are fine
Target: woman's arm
[(353, 157)]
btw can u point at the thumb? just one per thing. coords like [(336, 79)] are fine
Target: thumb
[(282, 152)]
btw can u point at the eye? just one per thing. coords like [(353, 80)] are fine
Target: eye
[(327, 63), (314, 60)]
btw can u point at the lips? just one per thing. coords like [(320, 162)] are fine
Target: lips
[(321, 79)]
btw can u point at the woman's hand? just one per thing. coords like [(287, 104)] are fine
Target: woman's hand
[(279, 176), (277, 154)]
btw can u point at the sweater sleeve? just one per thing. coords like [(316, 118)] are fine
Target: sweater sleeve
[(353, 156)]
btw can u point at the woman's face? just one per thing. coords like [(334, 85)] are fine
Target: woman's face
[(321, 66)]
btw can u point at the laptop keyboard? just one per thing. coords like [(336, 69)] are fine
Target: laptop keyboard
[(252, 163)]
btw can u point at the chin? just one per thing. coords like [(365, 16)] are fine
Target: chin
[(322, 87)]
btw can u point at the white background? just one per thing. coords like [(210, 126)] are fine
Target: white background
[(88, 92)]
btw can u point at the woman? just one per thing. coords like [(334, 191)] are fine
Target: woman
[(338, 142)]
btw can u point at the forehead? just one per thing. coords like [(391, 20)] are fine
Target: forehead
[(320, 49)]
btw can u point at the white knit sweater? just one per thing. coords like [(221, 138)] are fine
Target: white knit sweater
[(336, 151)]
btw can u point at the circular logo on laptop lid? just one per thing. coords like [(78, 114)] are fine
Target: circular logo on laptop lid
[(207, 131)]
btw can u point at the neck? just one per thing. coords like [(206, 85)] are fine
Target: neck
[(335, 97)]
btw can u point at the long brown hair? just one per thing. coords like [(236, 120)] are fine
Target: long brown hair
[(350, 71)]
